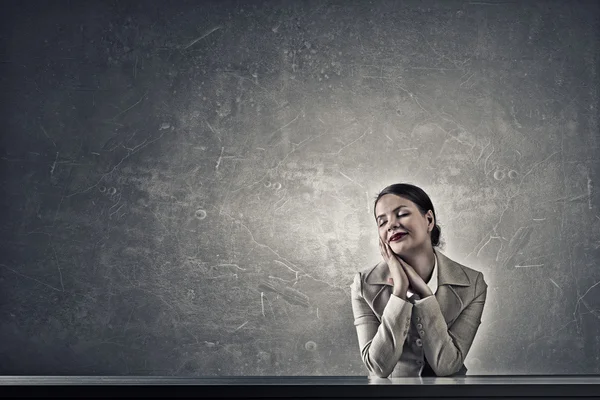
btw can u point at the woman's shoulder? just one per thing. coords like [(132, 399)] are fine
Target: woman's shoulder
[(472, 274), (361, 274), (367, 274), (367, 270), (374, 273)]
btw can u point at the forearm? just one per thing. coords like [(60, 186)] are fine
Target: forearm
[(446, 348), (381, 354), (444, 357)]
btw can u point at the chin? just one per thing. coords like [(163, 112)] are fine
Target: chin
[(398, 248)]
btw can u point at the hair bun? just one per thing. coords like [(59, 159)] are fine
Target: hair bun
[(435, 235)]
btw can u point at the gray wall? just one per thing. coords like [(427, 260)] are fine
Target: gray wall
[(187, 187)]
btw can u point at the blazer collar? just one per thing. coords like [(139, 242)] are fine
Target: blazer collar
[(449, 273)]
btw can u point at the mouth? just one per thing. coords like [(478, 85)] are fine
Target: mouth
[(398, 236)]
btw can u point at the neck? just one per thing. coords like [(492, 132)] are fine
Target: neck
[(422, 262)]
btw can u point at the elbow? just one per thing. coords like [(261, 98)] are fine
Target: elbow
[(381, 373), (374, 367), (448, 368), (446, 371)]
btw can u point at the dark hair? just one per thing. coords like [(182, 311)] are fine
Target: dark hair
[(421, 200)]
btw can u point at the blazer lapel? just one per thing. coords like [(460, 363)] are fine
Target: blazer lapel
[(450, 278), (450, 275), (378, 290), (450, 303)]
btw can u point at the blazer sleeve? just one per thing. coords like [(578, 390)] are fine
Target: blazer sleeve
[(380, 343), (446, 348)]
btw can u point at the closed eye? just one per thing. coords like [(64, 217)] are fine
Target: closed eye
[(399, 216)]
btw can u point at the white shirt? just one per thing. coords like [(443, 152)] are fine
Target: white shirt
[(433, 281)]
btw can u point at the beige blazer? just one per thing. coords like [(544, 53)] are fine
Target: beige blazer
[(419, 337)]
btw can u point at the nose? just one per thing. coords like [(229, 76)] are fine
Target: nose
[(392, 224)]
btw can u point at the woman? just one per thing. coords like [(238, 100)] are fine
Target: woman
[(417, 312)]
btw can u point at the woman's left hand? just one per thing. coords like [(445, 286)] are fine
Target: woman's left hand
[(416, 282)]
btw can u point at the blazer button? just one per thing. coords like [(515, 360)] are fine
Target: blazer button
[(422, 333), (419, 362), (418, 319), (419, 326), (419, 342)]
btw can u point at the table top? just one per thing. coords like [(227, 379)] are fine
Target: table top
[(303, 380), (304, 387)]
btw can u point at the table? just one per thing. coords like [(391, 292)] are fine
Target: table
[(307, 387)]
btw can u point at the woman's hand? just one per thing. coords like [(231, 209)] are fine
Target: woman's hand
[(399, 278), (416, 282)]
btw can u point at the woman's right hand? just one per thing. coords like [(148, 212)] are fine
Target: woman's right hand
[(399, 277)]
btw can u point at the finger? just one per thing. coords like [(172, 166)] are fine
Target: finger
[(411, 271), (407, 275), (388, 250), (383, 245), (413, 277), (391, 252), (405, 265), (408, 270), (381, 249)]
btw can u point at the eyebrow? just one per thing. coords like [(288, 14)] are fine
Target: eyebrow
[(394, 210)]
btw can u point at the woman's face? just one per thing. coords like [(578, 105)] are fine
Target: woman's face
[(400, 219)]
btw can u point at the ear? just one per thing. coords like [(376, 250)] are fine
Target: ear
[(430, 220)]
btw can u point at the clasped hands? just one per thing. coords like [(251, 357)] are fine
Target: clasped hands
[(403, 274)]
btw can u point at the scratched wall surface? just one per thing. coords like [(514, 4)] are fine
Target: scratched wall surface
[(187, 187)]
